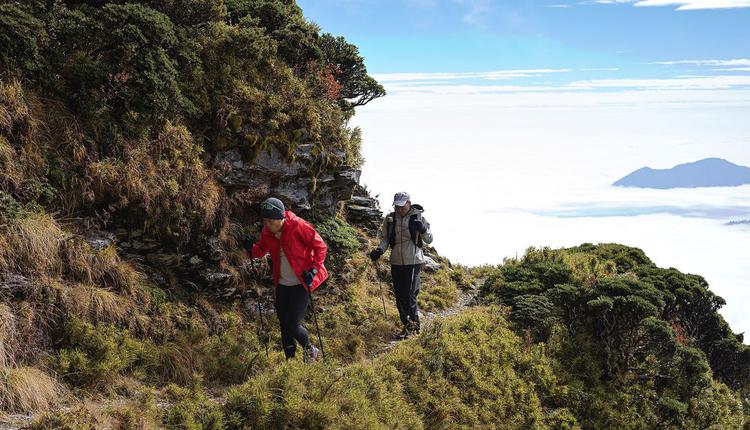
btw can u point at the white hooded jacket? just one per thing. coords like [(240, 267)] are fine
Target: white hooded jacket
[(404, 251)]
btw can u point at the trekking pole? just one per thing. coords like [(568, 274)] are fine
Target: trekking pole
[(414, 266), (382, 297), (382, 294), (261, 327), (315, 318)]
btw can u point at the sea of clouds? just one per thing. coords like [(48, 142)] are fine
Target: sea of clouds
[(499, 171)]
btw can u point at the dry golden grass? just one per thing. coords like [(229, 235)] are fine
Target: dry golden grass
[(14, 107), (177, 361), (20, 125), (8, 336), (31, 245), (166, 179), (100, 267), (97, 304), (587, 268), (27, 389), (11, 174)]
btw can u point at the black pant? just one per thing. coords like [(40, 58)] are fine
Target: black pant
[(291, 307), (406, 285)]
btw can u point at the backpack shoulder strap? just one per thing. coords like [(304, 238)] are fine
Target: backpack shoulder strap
[(391, 228)]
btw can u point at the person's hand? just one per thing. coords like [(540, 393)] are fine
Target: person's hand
[(248, 242), (308, 276), (419, 226), (375, 254)]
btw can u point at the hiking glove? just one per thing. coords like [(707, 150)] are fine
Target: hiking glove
[(248, 242), (419, 226), (308, 276), (375, 254)]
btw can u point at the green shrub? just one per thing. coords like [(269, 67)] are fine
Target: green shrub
[(234, 353), (191, 409), (321, 397), (22, 39), (438, 291), (95, 355), (472, 371), (341, 238)]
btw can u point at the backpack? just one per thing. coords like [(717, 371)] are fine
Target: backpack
[(391, 227)]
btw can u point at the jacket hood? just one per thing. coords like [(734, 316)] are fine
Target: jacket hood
[(415, 209), (290, 216)]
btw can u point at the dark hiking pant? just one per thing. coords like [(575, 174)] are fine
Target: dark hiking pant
[(406, 287), (291, 307)]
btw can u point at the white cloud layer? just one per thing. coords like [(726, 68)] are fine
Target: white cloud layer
[(684, 4), (449, 83), (493, 75), (715, 63)]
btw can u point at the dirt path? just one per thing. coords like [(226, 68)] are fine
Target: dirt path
[(465, 299)]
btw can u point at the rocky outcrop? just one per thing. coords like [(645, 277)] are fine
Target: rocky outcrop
[(364, 210), (431, 265), (293, 181)]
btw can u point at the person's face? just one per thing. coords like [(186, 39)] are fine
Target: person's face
[(273, 225), (403, 210)]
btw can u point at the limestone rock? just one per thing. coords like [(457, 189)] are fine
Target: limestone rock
[(431, 265), (291, 181), (99, 239)]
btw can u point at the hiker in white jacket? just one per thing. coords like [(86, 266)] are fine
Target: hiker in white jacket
[(405, 231)]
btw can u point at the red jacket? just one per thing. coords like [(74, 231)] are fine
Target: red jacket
[(303, 247)]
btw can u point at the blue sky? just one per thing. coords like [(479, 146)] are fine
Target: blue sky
[(623, 37)]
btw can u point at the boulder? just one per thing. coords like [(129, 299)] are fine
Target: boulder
[(99, 239), (364, 210), (431, 265)]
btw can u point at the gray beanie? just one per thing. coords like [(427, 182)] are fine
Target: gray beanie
[(272, 208)]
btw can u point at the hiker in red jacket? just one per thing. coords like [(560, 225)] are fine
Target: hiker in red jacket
[(297, 256)]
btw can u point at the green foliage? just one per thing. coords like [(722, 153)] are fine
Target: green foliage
[(119, 76), (78, 419), (623, 331), (467, 372), (95, 355), (460, 276), (22, 39), (437, 291), (536, 272), (11, 209), (625, 257), (321, 397), (126, 55), (535, 312), (191, 409), (233, 353), (350, 71), (472, 371), (341, 238)]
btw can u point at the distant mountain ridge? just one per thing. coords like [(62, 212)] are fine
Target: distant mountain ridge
[(709, 172)]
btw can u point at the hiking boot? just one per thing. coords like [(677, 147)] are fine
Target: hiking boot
[(310, 354), (413, 328), (403, 334)]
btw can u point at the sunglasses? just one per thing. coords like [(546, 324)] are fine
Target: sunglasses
[(268, 206)]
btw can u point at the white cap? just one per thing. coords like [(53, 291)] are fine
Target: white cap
[(401, 198)]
